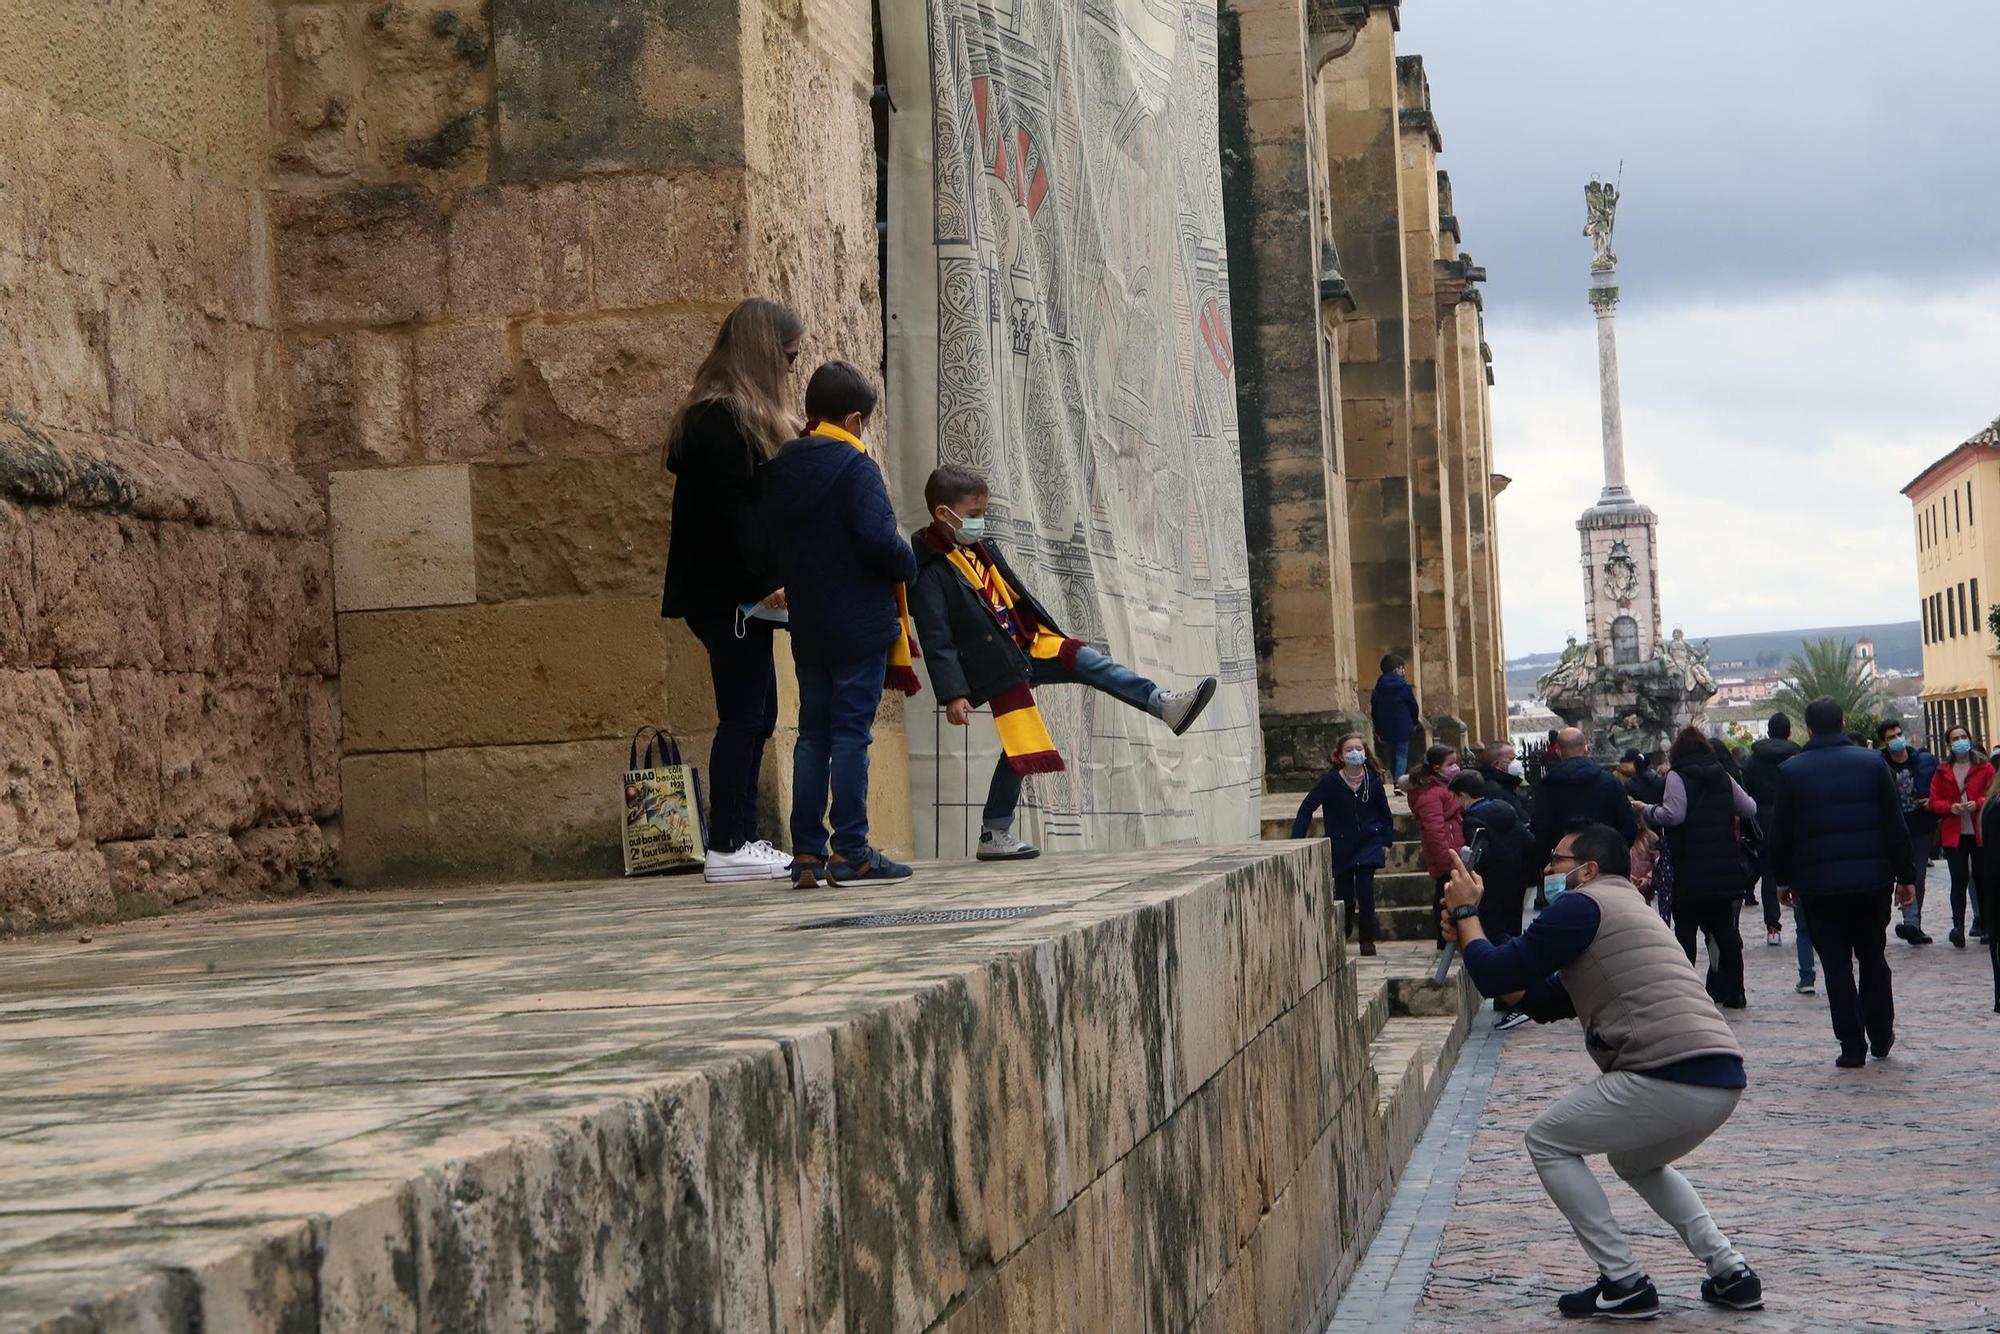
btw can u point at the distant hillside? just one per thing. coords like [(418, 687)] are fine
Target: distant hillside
[(1898, 647)]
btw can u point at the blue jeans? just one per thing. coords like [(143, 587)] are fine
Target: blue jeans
[(1398, 754), (1100, 672), (837, 706)]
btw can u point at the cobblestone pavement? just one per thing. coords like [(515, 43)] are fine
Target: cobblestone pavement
[(1867, 1199)]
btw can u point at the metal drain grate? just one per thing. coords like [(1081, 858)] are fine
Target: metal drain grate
[(928, 917)]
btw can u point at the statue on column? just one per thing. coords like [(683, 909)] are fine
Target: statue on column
[(1600, 202)]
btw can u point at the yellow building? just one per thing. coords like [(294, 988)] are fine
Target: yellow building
[(1955, 506)]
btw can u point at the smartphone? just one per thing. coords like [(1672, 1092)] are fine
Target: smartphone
[(1474, 852)]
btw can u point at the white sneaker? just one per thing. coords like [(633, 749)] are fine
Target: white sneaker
[(1002, 846), (752, 861), (1179, 708)]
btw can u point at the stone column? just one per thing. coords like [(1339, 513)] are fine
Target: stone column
[(1455, 280), (1436, 666), (1604, 300), (1359, 99), (1287, 294), (1496, 483)]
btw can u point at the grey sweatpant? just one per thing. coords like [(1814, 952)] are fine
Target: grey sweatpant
[(1640, 1124)]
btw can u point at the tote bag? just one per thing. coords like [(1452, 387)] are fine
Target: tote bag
[(664, 829)]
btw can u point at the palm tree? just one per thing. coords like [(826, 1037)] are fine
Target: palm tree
[(1827, 667)]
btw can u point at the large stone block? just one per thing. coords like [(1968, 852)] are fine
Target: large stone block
[(21, 635), (424, 99), (385, 819), (350, 397), (27, 142), (167, 380), (38, 762), (465, 390), (532, 812), (657, 239), (56, 340), (277, 612), (610, 85), (565, 670), (200, 85), (564, 527), (41, 888), (250, 429), (232, 252), (232, 755), (402, 537), (369, 255), (118, 720), (608, 385), (97, 581), (316, 91)]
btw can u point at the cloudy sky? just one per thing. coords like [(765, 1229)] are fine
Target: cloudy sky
[(1809, 246)]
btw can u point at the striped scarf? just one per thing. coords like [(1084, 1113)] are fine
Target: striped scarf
[(1023, 736), (902, 673)]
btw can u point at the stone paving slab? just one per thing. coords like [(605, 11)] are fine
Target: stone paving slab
[(1867, 1199)]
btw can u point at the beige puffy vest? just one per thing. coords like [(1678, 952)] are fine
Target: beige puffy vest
[(1640, 1001)]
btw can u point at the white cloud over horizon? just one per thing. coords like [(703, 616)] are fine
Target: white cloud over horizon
[(1771, 436)]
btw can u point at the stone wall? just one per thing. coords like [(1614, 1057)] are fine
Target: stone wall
[(166, 628), (504, 238)]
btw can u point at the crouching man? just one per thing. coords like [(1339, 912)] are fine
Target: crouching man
[(1673, 1070)]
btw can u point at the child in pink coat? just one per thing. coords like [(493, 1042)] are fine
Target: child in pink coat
[(1440, 822)]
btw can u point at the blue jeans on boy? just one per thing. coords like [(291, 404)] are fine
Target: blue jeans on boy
[(837, 704), (1399, 757), (1097, 670), (1806, 975)]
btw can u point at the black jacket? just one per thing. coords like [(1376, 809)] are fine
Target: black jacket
[(1837, 825), (1357, 823), (838, 549), (1647, 785), (1760, 777), (968, 655), (1576, 792), (1508, 863), (1708, 857), (1503, 786), (716, 554)]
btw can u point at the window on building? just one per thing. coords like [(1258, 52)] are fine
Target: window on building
[(1968, 500), (1924, 616), (1950, 616), (1974, 622), (1957, 517), (1964, 624)]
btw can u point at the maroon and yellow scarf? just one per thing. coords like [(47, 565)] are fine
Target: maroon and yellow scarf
[(1024, 738), (902, 673)]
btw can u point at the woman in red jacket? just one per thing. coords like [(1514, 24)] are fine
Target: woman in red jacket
[(1440, 822), (1957, 792)]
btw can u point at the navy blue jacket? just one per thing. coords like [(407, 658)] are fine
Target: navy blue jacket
[(826, 515), (1394, 708), (1580, 791), (1922, 767), (1837, 827), (1358, 823)]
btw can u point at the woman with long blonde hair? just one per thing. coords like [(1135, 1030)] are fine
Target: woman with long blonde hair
[(721, 578)]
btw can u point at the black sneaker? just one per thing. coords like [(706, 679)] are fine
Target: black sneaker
[(1510, 1019), (1851, 1060), (1740, 1290), (1881, 1048), (1904, 931), (1956, 937), (1634, 1299)]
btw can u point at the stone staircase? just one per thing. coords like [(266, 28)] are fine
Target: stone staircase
[(1414, 1029), (1402, 890)]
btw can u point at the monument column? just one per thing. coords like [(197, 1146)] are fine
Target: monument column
[(1604, 300)]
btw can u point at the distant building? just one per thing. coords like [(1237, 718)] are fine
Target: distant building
[(1864, 658), (1954, 557), (1746, 689)]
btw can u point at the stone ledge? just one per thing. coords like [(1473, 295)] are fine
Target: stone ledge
[(90, 472), (1156, 1098)]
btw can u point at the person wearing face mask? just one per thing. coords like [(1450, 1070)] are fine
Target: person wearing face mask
[(1760, 779), (1354, 800), (1440, 823), (1506, 778), (1958, 790), (1671, 1069), (987, 640), (1914, 768)]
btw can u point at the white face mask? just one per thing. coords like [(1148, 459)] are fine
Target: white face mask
[(1354, 759), (1518, 769)]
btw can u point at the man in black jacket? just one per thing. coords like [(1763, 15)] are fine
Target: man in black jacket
[(1577, 791), (1641, 781), (1506, 778), (1838, 845), (1760, 780), (986, 639)]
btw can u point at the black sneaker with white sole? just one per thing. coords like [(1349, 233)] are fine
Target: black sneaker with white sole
[(1740, 1290), (1634, 1298)]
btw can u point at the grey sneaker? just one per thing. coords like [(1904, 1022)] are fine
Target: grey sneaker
[(1805, 989), (1180, 708), (1002, 846)]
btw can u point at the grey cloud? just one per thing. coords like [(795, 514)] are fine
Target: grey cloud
[(1769, 145)]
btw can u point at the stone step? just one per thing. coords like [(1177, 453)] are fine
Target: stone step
[(1413, 924), (1278, 828), (1403, 889), (1372, 989), (1412, 1060)]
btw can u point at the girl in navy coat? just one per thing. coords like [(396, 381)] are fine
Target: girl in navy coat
[(1355, 801)]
